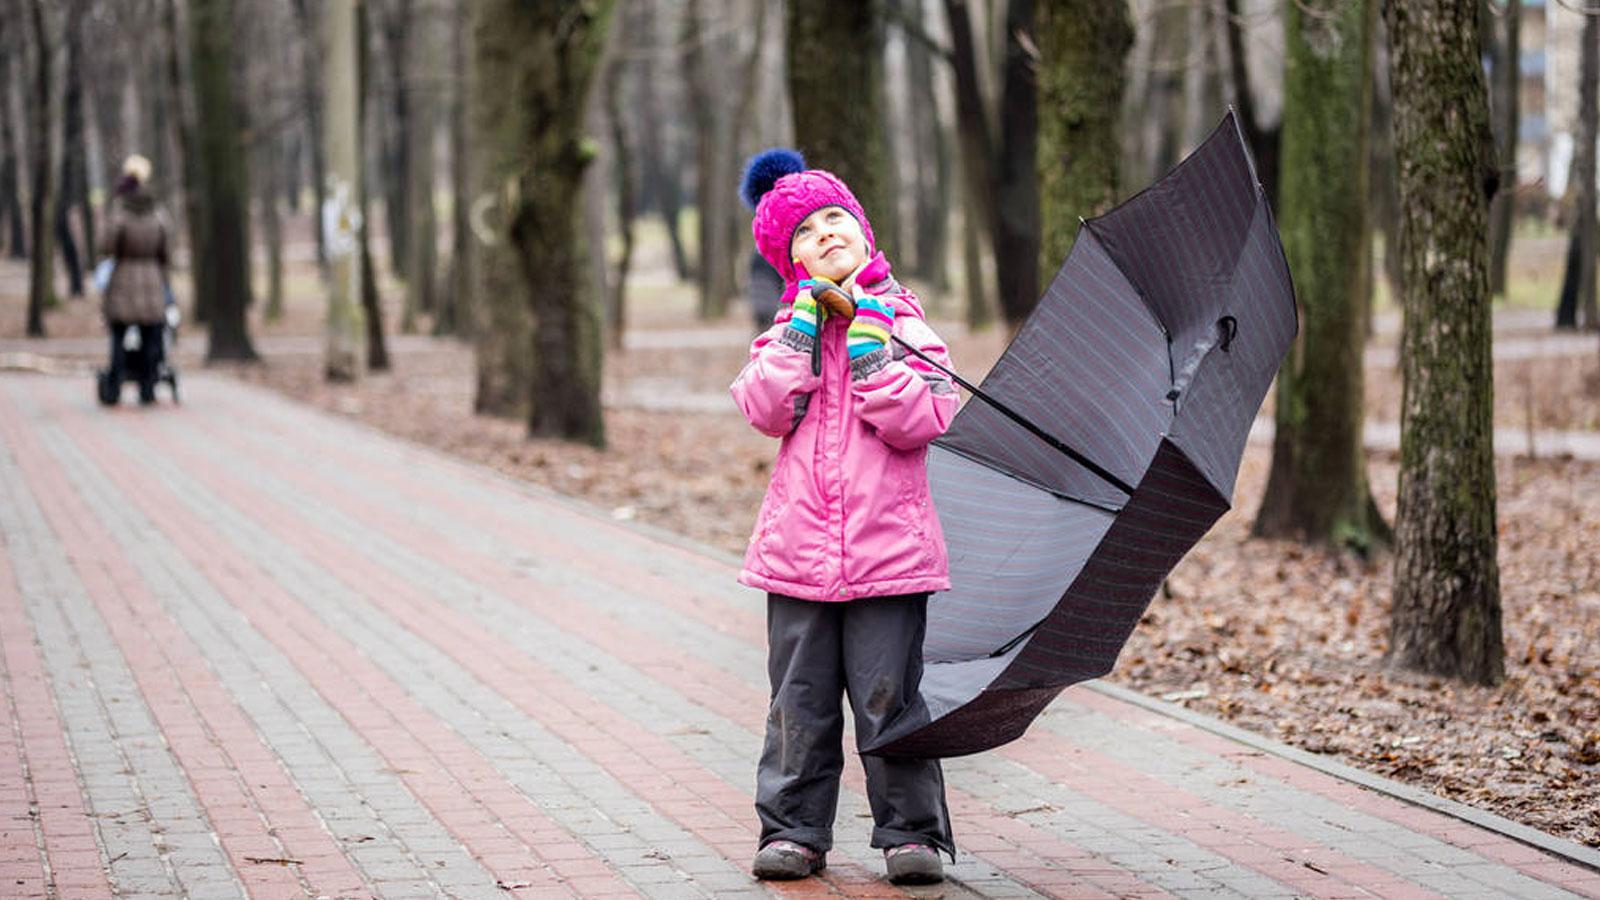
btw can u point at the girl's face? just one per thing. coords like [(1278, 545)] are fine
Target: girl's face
[(830, 243)]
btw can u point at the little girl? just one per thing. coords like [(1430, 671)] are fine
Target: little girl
[(847, 545)]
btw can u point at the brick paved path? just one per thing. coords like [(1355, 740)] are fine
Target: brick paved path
[(247, 649)]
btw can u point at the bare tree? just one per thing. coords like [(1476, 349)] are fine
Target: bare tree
[(224, 179), (45, 106), (1506, 106), (539, 352), (1446, 615), (1317, 490), (341, 218), (11, 41), (1584, 169), (72, 190), (455, 316), (1082, 48)]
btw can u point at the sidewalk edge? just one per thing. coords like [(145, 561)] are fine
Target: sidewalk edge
[(1571, 851)]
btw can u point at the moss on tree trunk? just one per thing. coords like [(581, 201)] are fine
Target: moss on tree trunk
[(1082, 45), (539, 352), (835, 69), (1318, 489), (1446, 617)]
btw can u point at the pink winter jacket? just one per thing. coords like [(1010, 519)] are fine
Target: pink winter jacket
[(848, 513)]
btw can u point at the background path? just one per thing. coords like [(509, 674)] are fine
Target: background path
[(248, 649)]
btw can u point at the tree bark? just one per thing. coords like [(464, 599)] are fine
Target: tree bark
[(270, 196), (224, 180), (422, 239), (845, 138), (1263, 141), (73, 187), (341, 219), (455, 316), (1446, 614), (311, 102), (183, 122), (1506, 105), (397, 26), (540, 352), (660, 169), (705, 66), (41, 268), (1584, 169), (371, 303), (1317, 490), (623, 174), (10, 162), (1082, 47), (931, 146), (1016, 248)]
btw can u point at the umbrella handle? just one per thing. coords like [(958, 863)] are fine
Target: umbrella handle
[(1018, 418)]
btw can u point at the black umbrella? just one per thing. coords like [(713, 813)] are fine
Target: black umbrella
[(1102, 445)]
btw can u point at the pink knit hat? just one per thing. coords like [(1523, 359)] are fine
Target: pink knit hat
[(782, 191)]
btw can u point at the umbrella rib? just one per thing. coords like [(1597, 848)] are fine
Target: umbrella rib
[(1018, 418)]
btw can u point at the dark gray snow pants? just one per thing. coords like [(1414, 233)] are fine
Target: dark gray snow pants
[(870, 649)]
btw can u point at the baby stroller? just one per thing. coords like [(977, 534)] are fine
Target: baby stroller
[(136, 359)]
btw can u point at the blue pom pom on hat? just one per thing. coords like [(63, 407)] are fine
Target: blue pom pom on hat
[(763, 171)]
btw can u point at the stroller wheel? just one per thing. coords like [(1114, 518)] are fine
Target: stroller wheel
[(108, 391)]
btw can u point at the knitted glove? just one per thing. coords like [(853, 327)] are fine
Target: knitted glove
[(872, 325), (808, 316)]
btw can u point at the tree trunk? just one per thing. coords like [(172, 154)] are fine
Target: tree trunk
[(371, 303), (1082, 48), (1016, 250), (73, 189), (1584, 169), (706, 68), (980, 312), (1506, 105), (269, 196), (1384, 212), (397, 28), (977, 152), (931, 146), (660, 168), (41, 268), (1567, 300), (311, 102), (223, 180), (342, 219), (10, 162), (540, 352), (189, 163), (845, 138), (1263, 141), (1317, 490), (1446, 615), (422, 238), (623, 173), (455, 317)]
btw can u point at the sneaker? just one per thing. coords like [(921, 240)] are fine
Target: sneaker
[(786, 860), (913, 864)]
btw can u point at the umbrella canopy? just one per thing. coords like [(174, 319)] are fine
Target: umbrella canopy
[(1102, 445)]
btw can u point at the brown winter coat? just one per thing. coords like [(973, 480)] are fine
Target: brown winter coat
[(137, 240)]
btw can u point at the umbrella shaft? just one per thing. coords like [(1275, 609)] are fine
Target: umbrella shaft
[(1017, 417)]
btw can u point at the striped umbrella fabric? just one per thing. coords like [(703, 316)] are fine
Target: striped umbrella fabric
[(1100, 448)]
